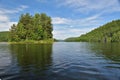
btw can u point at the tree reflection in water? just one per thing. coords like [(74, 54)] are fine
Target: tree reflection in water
[(32, 58)]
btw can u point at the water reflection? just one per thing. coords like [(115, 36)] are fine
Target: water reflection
[(32, 59), (69, 61), (108, 50)]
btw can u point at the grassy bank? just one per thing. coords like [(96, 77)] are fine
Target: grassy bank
[(48, 41)]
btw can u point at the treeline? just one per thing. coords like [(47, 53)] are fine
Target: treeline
[(72, 39), (109, 32), (37, 27), (4, 36)]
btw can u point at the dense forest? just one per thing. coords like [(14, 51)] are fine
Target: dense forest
[(4, 36), (109, 32), (37, 27)]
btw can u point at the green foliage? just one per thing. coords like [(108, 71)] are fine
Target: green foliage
[(4, 36), (109, 32), (72, 39), (47, 41), (37, 27)]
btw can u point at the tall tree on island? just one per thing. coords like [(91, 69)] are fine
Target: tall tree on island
[(37, 27)]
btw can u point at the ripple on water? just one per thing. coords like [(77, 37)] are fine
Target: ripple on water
[(66, 61)]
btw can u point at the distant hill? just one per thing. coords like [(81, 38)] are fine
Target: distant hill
[(4, 36), (109, 32)]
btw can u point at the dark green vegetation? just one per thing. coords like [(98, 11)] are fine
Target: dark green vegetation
[(4, 36), (109, 32), (36, 28)]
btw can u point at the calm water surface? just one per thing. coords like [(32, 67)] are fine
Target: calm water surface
[(60, 61)]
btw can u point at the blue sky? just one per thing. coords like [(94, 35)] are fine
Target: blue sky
[(70, 18)]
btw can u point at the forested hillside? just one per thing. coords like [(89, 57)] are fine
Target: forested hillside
[(4, 36), (109, 32), (37, 27)]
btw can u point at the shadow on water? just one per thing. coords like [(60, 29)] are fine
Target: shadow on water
[(108, 50), (32, 59)]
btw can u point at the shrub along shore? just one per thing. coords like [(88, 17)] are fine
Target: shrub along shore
[(49, 41)]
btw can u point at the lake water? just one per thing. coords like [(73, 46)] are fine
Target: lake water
[(60, 61)]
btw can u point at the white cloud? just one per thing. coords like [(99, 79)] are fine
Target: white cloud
[(59, 20), (5, 19), (6, 26), (70, 30), (63, 34), (16, 10), (75, 27), (92, 5), (96, 8), (73, 22)]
